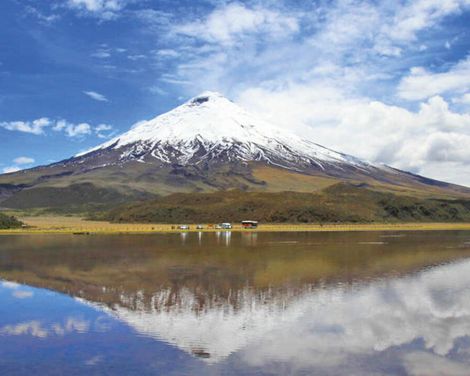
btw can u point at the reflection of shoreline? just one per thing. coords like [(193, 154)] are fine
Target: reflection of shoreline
[(326, 323)]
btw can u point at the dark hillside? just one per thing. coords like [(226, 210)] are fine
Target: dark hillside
[(339, 203), (74, 198)]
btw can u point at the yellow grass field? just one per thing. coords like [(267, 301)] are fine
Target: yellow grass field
[(69, 225)]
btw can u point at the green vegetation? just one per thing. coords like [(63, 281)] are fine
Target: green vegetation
[(341, 202), (8, 222)]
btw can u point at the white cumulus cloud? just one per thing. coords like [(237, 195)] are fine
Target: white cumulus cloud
[(103, 130), (421, 83), (417, 15), (19, 164), (96, 96), (10, 169), (104, 9), (35, 127), (464, 99), (73, 130), (227, 24), (23, 160), (38, 127)]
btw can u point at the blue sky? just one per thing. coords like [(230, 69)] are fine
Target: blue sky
[(385, 81)]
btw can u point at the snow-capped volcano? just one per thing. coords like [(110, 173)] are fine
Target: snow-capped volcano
[(210, 127)]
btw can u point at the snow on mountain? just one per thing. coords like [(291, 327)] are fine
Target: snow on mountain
[(211, 127)]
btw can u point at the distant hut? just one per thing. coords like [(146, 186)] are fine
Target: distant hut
[(249, 224), (224, 226)]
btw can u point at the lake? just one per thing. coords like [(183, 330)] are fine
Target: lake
[(362, 303)]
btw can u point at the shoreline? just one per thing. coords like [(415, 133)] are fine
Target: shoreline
[(79, 226)]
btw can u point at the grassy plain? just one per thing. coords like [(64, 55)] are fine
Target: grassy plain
[(67, 225)]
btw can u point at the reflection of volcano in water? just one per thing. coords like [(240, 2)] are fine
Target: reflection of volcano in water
[(218, 329), (312, 326), (300, 298)]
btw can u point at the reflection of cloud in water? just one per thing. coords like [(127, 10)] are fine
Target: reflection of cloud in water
[(21, 294), (10, 285), (317, 327), (36, 328), (94, 361), (17, 290), (433, 306)]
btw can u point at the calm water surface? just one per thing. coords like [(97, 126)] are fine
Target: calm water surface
[(236, 304)]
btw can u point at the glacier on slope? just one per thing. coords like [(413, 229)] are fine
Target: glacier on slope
[(210, 127)]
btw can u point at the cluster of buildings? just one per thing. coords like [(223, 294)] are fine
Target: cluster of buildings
[(221, 226)]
